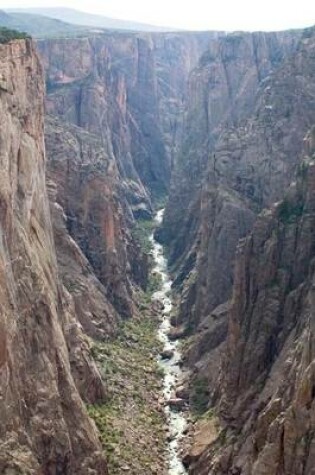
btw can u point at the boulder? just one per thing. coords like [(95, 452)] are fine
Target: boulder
[(167, 354)]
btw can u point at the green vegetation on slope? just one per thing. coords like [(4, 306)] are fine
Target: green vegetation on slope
[(289, 212), (131, 423), (141, 233), (7, 35), (199, 396)]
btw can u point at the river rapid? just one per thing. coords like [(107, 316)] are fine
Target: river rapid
[(173, 373)]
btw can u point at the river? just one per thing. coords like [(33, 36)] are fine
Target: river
[(173, 373)]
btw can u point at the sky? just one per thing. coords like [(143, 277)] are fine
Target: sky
[(194, 14)]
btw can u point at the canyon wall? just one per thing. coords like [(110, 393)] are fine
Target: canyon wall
[(129, 89), (114, 106), (97, 216), (45, 364), (265, 394), (251, 324), (251, 103)]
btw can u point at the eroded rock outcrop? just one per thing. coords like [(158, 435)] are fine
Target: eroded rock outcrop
[(266, 391), (129, 89), (98, 217), (251, 102), (44, 356), (243, 135)]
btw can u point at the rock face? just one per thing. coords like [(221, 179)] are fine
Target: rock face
[(242, 136), (45, 358), (129, 90), (97, 216), (238, 156), (266, 402)]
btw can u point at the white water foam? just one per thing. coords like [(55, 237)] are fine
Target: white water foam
[(172, 370)]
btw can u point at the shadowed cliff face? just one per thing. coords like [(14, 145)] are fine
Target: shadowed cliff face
[(129, 89), (44, 356), (266, 389), (253, 356), (243, 132)]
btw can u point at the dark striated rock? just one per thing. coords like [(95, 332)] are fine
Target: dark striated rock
[(232, 134), (251, 102), (265, 393), (238, 154)]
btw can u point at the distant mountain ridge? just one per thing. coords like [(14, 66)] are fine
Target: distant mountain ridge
[(39, 26), (77, 17)]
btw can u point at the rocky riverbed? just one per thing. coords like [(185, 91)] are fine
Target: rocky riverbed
[(170, 361)]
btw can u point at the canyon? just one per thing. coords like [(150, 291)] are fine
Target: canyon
[(98, 133)]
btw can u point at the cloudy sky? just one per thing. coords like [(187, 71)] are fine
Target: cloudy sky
[(195, 14)]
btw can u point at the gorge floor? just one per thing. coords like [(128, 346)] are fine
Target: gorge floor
[(171, 365), (140, 429)]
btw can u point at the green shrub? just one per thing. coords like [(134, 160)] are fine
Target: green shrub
[(155, 282), (199, 396), (7, 35), (141, 233), (133, 377)]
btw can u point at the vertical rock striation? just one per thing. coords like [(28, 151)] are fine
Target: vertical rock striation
[(44, 356), (251, 102), (97, 215), (250, 105), (129, 89), (266, 402)]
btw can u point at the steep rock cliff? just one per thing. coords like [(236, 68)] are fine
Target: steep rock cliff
[(44, 356), (244, 130), (266, 402), (129, 90), (97, 215)]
